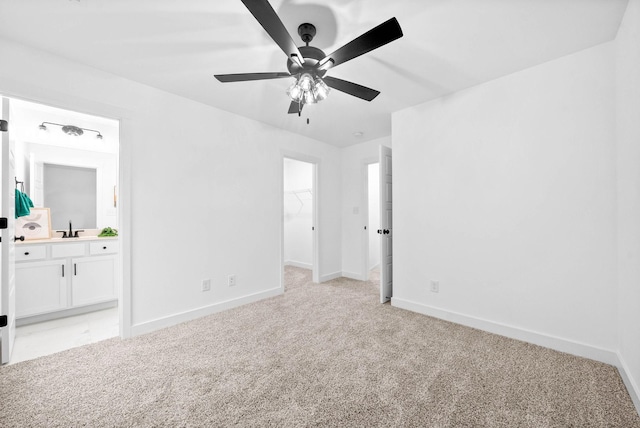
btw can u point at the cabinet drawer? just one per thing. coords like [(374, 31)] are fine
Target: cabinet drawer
[(36, 252), (67, 250), (106, 247)]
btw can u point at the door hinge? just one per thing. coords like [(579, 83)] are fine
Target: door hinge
[(4, 125), (3, 321), (3, 224)]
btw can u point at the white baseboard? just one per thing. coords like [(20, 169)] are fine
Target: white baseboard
[(559, 344), (149, 326), (330, 276), (351, 275), (298, 264), (630, 383)]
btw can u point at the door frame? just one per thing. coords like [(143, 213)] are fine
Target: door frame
[(124, 117), (7, 259), (315, 241)]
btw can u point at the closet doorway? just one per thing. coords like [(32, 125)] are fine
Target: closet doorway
[(299, 217)]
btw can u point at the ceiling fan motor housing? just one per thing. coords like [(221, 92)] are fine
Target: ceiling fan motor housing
[(312, 56)]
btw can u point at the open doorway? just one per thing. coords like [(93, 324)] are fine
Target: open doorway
[(377, 240), (299, 214), (373, 209), (67, 280)]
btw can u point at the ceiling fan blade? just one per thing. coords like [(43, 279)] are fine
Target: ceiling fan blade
[(244, 77), (268, 18), (351, 88), (295, 107), (379, 36)]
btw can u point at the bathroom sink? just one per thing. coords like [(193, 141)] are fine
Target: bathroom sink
[(79, 238)]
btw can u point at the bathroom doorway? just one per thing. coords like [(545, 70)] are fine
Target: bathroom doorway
[(299, 219), (54, 146)]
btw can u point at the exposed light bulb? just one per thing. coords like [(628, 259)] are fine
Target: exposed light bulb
[(306, 82), (295, 92), (320, 90), (309, 98)]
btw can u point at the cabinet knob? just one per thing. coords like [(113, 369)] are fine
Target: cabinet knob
[(26, 254), (104, 248)]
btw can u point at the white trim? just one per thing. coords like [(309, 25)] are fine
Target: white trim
[(315, 189), (299, 264), (171, 320), (329, 277), (352, 275), (125, 294), (629, 382), (53, 98), (553, 342)]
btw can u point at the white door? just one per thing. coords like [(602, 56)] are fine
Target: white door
[(7, 247), (386, 229)]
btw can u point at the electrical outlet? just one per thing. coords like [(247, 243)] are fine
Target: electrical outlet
[(435, 286), (231, 280), (206, 284)]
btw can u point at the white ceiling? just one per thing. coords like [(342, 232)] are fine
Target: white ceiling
[(178, 46)]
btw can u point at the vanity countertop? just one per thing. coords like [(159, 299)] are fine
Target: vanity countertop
[(68, 240)]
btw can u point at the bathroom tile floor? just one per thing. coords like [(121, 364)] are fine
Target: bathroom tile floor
[(49, 337)]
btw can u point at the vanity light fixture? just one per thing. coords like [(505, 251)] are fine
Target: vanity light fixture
[(76, 131)]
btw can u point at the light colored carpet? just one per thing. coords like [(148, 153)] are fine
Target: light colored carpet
[(321, 355)]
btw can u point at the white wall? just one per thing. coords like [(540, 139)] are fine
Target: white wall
[(354, 210), (298, 213), (628, 146), (505, 193), (373, 187), (204, 188)]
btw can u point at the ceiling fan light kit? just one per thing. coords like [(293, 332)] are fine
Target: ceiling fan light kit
[(308, 65)]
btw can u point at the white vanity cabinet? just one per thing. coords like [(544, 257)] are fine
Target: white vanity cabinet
[(54, 276), (93, 280), (40, 287)]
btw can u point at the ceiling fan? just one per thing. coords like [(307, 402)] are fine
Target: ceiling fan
[(308, 64)]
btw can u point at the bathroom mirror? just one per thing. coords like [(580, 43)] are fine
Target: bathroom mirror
[(70, 194)]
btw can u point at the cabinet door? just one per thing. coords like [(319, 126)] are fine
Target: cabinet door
[(40, 287), (93, 280)]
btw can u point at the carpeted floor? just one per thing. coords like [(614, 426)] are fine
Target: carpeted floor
[(321, 355)]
